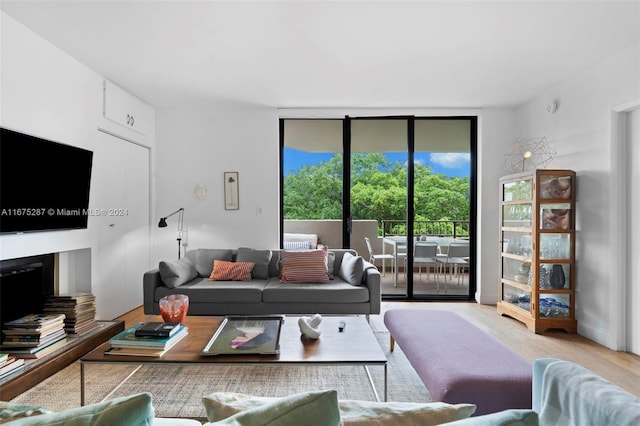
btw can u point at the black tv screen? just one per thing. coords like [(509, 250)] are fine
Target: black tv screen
[(44, 185)]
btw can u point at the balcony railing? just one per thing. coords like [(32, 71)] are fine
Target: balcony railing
[(433, 228)]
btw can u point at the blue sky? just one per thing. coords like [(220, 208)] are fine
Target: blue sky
[(449, 164)]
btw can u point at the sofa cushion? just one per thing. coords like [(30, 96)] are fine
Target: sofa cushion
[(304, 266), (128, 410), (351, 269), (201, 290), (315, 408), (174, 274), (205, 257), (261, 259), (220, 405), (231, 271), (336, 291)]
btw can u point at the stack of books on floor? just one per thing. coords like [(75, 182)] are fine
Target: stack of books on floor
[(9, 365), (79, 310), (34, 335), (147, 339)]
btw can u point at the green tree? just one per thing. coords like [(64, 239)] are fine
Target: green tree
[(378, 191)]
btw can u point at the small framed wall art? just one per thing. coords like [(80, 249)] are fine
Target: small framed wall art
[(231, 193)]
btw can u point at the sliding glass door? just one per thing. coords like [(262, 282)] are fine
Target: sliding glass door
[(402, 183)]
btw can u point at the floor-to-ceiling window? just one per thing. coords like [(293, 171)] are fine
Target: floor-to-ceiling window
[(409, 184)]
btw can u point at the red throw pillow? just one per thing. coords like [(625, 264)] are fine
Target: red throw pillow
[(231, 271), (308, 266)]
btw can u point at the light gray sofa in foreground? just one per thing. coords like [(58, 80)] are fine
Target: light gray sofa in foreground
[(264, 294)]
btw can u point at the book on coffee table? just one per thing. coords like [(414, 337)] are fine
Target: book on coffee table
[(246, 335), (128, 339), (158, 329), (156, 353)]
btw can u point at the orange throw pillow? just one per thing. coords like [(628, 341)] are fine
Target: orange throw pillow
[(231, 271)]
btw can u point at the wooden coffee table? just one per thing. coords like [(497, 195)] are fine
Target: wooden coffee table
[(356, 345)]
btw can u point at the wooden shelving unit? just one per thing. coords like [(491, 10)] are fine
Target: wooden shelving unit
[(537, 251), (37, 370)]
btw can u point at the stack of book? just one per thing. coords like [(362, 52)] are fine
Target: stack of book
[(34, 335), (9, 365), (147, 339), (79, 310)]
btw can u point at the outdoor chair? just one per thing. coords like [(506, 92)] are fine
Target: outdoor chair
[(456, 259), (373, 257), (424, 252)]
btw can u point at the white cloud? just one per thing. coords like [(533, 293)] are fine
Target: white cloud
[(451, 160)]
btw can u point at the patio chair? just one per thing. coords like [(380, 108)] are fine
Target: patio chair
[(373, 257), (424, 252), (457, 258)]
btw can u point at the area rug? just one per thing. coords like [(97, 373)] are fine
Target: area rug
[(178, 390)]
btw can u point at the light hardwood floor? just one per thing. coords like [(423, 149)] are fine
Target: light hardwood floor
[(621, 368)]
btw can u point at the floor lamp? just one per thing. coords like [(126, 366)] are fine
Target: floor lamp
[(163, 224)]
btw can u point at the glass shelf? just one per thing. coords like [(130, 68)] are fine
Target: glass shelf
[(518, 243), (555, 216), (516, 297), (555, 246), (550, 276), (517, 191), (517, 215), (554, 306)]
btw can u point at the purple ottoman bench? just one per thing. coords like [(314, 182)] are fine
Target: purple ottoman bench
[(460, 363)]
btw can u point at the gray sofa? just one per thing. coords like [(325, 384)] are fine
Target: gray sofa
[(264, 294)]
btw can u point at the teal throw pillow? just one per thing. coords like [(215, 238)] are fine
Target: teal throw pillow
[(318, 408), (220, 405), (133, 410), (10, 411)]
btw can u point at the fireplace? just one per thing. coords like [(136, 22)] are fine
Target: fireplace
[(25, 283)]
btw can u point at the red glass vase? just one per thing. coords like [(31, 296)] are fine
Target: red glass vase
[(174, 307)]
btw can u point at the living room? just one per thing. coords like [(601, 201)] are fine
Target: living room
[(47, 91)]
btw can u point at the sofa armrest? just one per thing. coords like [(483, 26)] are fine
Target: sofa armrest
[(150, 281), (372, 281), (539, 365)]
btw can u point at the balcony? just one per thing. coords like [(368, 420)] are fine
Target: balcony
[(330, 234)]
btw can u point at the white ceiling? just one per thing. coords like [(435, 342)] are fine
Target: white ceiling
[(334, 53)]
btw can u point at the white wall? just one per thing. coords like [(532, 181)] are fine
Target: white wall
[(197, 147), (497, 135), (44, 93), (47, 93), (580, 132)]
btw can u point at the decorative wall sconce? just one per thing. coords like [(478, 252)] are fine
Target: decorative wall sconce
[(528, 154), (200, 191), (552, 107)]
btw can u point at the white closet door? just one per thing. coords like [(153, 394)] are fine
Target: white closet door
[(120, 206)]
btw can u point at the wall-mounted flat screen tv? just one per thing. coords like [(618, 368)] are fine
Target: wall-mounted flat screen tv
[(44, 185)]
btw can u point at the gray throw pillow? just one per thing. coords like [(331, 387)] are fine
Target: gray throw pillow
[(351, 269), (174, 274), (331, 261), (260, 257), (205, 258)]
